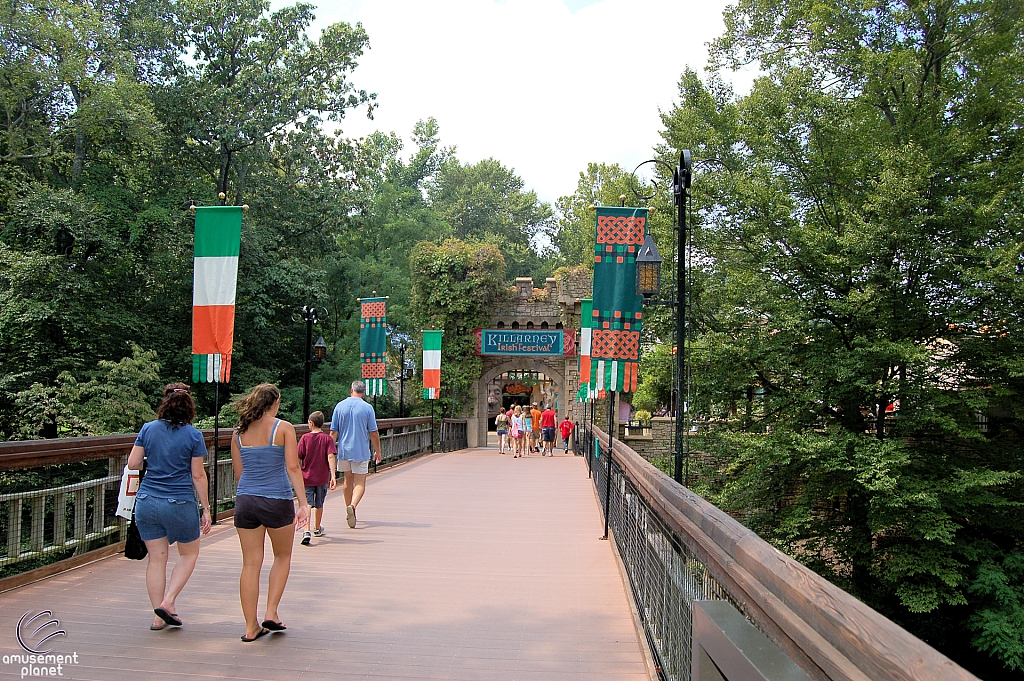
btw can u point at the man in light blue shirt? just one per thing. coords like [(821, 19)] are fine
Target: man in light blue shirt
[(354, 426)]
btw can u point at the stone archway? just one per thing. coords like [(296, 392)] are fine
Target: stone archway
[(477, 426)]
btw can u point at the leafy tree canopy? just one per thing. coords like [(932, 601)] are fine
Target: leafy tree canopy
[(857, 300)]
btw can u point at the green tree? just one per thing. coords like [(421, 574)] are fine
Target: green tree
[(572, 235), (251, 77), (455, 286), (854, 243), (487, 202)]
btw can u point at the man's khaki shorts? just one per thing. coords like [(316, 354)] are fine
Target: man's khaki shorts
[(358, 467)]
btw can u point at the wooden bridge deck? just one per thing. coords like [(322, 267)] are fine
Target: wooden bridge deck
[(466, 565)]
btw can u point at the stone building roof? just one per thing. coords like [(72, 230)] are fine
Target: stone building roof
[(554, 306)]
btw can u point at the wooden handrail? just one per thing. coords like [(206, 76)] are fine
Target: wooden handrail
[(826, 631), (22, 454)]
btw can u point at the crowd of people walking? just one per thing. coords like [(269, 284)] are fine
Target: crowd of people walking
[(281, 485), (525, 431)]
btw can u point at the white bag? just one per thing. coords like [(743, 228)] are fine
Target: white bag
[(126, 497)]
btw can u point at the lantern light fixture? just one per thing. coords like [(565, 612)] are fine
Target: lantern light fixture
[(648, 269)]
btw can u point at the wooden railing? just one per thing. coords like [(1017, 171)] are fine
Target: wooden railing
[(44, 525), (454, 435), (678, 550)]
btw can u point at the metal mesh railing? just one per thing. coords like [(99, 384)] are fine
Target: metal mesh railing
[(43, 525), (664, 575)]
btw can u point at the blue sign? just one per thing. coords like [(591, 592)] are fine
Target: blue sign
[(519, 342)]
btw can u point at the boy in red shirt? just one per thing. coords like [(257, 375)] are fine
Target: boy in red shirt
[(319, 458), (566, 427)]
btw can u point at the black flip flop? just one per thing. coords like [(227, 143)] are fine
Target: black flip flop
[(263, 632), (153, 627), (168, 617), (273, 626)]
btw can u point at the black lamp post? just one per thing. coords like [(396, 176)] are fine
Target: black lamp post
[(311, 315), (647, 284)]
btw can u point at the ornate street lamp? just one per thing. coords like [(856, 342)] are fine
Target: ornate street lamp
[(310, 315), (319, 349), (682, 176), (648, 269)]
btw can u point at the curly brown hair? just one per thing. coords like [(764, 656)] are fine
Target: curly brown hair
[(254, 405), (177, 406)]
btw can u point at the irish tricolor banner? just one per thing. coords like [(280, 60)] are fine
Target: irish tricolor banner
[(585, 393), (373, 360), (218, 235), (431, 364), (617, 313)]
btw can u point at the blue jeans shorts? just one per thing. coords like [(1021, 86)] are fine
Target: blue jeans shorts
[(176, 519), (315, 495)]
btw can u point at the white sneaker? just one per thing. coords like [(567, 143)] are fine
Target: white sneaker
[(350, 516)]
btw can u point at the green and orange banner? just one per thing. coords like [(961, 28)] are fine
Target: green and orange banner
[(373, 339), (617, 314), (217, 242)]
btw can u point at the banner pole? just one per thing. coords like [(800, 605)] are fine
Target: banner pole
[(608, 478), (216, 446)]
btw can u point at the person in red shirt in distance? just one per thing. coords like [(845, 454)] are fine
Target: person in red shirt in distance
[(566, 427), (318, 455), (547, 430)]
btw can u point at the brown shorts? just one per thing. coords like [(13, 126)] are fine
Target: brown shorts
[(252, 512)]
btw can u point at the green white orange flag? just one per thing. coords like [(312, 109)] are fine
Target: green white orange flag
[(431, 364), (617, 314), (585, 393), (373, 359), (217, 240)]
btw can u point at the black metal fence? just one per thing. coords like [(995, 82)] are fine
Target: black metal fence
[(664, 575)]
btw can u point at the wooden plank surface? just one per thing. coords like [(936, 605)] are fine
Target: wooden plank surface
[(465, 565)]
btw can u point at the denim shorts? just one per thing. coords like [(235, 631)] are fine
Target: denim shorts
[(315, 495), (176, 519)]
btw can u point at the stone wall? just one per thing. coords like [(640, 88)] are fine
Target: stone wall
[(658, 443), (555, 306)]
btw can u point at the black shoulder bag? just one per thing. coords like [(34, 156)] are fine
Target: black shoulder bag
[(134, 547)]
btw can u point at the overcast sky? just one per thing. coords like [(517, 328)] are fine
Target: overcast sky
[(544, 86)]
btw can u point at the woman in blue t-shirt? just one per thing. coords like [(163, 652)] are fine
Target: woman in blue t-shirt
[(165, 505)]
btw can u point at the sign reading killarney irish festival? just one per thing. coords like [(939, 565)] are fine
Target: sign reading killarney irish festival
[(522, 342)]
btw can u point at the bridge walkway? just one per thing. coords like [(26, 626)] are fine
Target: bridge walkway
[(465, 565)]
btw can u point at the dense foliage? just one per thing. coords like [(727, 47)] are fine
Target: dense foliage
[(117, 116), (858, 302)]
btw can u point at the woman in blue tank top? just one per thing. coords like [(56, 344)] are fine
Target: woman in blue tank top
[(266, 466)]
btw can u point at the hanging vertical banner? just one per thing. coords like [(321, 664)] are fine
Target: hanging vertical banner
[(617, 314), (373, 360), (217, 239), (431, 364), (586, 308)]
